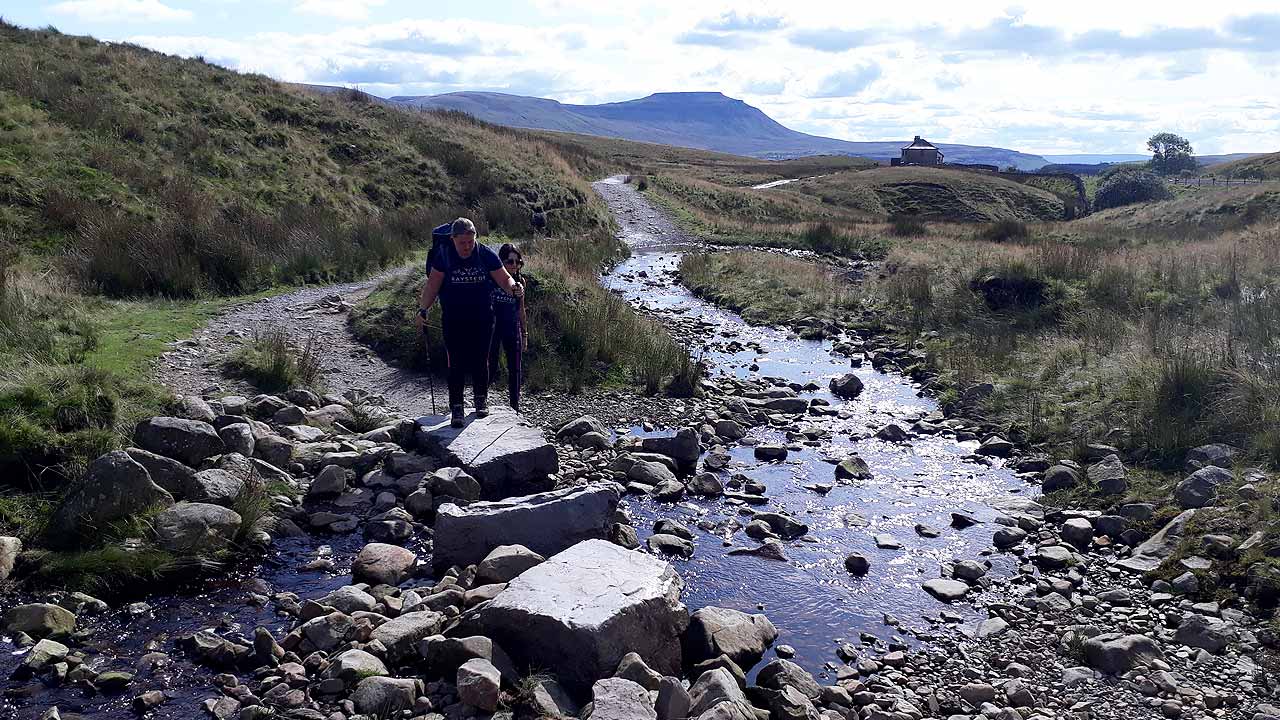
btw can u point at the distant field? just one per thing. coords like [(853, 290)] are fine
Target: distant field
[(931, 193)]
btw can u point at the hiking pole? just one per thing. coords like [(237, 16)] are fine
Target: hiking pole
[(431, 376)]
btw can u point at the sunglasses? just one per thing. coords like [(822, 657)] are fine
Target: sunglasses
[(513, 261)]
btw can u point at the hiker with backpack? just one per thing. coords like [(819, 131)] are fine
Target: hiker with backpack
[(461, 272), (509, 336)]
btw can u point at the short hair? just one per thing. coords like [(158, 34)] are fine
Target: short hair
[(462, 226)]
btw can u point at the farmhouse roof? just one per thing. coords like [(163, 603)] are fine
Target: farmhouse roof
[(920, 144)]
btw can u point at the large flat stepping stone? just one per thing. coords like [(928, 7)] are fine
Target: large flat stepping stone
[(577, 614), (506, 454), (545, 523)]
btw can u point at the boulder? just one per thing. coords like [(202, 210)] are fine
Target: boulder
[(401, 635), (892, 433), (10, 548), (444, 654), (853, 468), (192, 407), (188, 441), (349, 599), (707, 485), (238, 437), (168, 473), (846, 386), (1208, 633), (730, 430), (651, 473), (673, 701), (114, 488), (383, 564), (683, 447), (633, 668), (770, 453), (619, 699), (194, 528), (1151, 554), (1060, 477), (780, 673), (1007, 537), (1078, 532), (383, 696), (946, 590), (507, 455), (581, 426), (715, 631), (505, 562), (1115, 653), (216, 485), (714, 687), (787, 405), (856, 564), (454, 482), (996, 446), (670, 545), (41, 656), (40, 620), (353, 665), (546, 523), (1200, 488), (1110, 475), (479, 684), (550, 700), (581, 611), (1217, 454), (330, 482)]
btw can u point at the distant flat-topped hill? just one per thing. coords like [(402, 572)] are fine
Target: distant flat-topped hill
[(704, 120)]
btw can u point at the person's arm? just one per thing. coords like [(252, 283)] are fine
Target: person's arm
[(430, 291), (507, 283)]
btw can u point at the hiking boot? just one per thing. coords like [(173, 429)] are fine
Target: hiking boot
[(459, 417), (482, 407)]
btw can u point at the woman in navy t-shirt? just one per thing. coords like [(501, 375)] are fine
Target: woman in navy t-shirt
[(509, 328), (459, 273)]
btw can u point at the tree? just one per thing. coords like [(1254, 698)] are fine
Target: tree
[(1170, 154)]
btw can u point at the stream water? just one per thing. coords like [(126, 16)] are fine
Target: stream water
[(811, 598)]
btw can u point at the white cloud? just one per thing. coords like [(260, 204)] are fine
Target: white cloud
[(107, 10), (339, 9)]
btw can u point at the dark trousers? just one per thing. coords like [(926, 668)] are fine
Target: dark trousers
[(466, 338), (506, 338)]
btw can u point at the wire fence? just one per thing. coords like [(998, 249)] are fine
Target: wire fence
[(1216, 181)]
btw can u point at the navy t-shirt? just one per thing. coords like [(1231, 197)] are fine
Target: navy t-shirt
[(467, 284), (505, 305)]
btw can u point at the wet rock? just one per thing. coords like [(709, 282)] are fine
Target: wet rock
[(113, 681), (1007, 537), (669, 491), (1054, 557), (853, 468), (706, 484), (946, 590), (667, 526), (349, 599), (787, 405), (770, 453), (210, 649), (41, 657), (1211, 634), (479, 684), (996, 446), (769, 549), (581, 611), (784, 526), (619, 699), (715, 631), (382, 696), (968, 570), (712, 688), (193, 528), (1060, 477), (505, 562), (1152, 554), (730, 430), (546, 523), (114, 488), (1115, 653), (683, 447), (188, 441), (330, 482), (1110, 475), (505, 454), (581, 426), (383, 564), (885, 541), (10, 548), (1200, 488), (652, 473), (846, 386), (892, 432), (857, 564)]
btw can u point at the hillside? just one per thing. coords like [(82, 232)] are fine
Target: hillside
[(705, 120), (1254, 166), (1195, 211), (933, 193)]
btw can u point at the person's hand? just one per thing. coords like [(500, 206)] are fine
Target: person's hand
[(518, 290), (419, 322)]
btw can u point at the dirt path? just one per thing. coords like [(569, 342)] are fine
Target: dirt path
[(194, 366)]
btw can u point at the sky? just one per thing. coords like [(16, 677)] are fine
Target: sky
[(1085, 76)]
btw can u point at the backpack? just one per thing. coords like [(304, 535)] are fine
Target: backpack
[(441, 239)]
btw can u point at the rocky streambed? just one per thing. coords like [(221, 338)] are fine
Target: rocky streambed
[(812, 538)]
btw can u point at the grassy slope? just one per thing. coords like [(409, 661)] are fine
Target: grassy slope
[(93, 134), (1193, 212), (934, 193), (1264, 166)]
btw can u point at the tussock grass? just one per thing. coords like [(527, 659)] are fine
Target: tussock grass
[(770, 288), (274, 361)]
